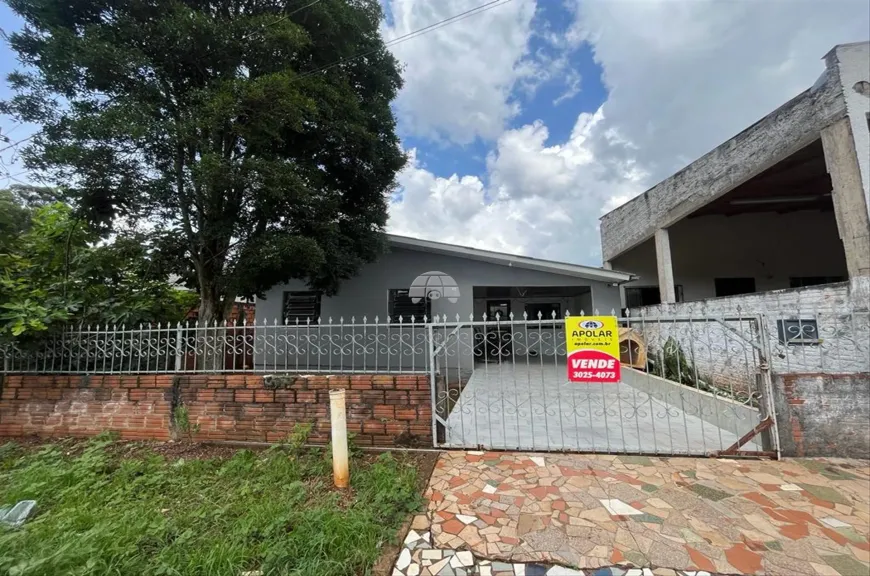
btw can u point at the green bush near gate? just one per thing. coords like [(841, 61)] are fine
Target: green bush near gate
[(672, 364), (102, 511)]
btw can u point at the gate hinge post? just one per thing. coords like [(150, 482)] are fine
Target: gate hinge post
[(770, 436)]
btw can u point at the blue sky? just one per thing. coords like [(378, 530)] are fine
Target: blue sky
[(525, 123), (10, 22), (543, 104)]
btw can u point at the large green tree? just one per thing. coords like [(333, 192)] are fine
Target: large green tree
[(255, 136)]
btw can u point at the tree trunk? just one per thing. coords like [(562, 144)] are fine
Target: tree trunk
[(211, 332), (210, 308)]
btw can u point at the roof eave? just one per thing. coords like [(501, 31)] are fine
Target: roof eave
[(511, 260)]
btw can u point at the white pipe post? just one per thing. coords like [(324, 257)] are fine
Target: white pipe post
[(338, 417)]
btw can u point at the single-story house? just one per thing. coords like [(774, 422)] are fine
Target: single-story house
[(484, 282), (379, 318)]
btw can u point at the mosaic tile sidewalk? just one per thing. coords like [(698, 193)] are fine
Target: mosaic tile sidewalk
[(519, 514)]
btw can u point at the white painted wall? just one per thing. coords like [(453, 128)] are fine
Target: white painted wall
[(853, 61), (767, 246), (722, 354)]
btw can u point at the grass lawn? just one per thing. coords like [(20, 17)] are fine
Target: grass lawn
[(127, 509)]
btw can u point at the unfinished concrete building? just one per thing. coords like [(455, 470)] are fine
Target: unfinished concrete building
[(771, 225), (783, 204)]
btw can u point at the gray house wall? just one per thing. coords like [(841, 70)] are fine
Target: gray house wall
[(367, 295)]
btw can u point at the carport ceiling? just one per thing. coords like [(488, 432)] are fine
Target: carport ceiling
[(799, 182), (529, 291)]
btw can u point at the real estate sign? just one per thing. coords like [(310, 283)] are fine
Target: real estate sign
[(593, 348)]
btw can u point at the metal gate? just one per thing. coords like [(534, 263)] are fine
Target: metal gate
[(699, 386)]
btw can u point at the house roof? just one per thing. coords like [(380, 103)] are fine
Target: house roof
[(513, 260)]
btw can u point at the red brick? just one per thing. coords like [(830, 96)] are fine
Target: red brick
[(216, 382), (314, 382), (421, 429), (306, 397), (373, 427), (316, 411), (361, 412), (285, 396), (363, 440), (337, 382), (295, 411), (417, 397), (244, 395), (253, 410), (384, 411), (225, 423), (163, 382), (397, 398), (406, 414), (373, 396), (395, 428)]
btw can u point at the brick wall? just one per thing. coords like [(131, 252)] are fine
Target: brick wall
[(137, 407), (823, 414), (382, 410)]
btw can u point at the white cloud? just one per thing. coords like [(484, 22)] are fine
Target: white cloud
[(459, 78), (539, 200), (683, 76)]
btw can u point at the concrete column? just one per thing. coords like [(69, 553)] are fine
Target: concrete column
[(608, 265), (665, 267), (850, 206)]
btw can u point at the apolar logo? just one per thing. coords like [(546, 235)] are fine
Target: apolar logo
[(433, 285), (591, 324)]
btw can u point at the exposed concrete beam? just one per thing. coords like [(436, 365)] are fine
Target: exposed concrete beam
[(791, 127), (850, 207), (667, 292)]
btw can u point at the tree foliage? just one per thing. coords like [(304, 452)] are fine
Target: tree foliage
[(223, 124), (59, 271), (16, 210)]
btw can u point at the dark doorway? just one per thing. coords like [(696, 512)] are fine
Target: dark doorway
[(500, 308)]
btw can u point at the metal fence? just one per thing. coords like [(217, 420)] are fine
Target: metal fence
[(691, 384), (834, 338), (392, 346), (503, 384)]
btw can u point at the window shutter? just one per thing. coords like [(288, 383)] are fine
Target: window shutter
[(402, 306), (303, 307)]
